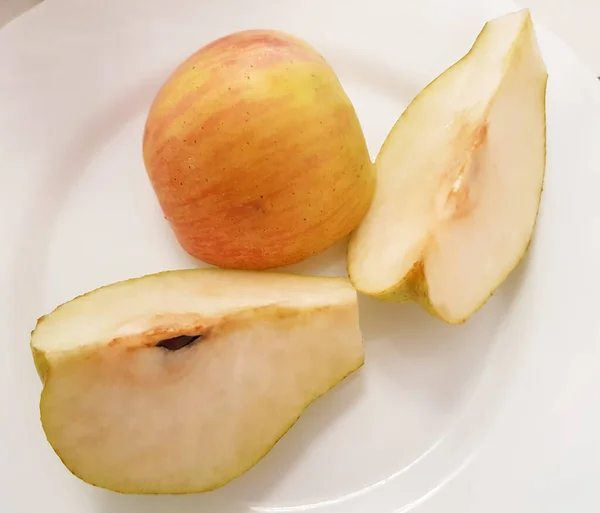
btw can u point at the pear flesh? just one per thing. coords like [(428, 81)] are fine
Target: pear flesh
[(181, 381), (459, 179)]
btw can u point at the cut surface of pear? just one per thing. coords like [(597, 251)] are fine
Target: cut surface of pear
[(181, 381), (459, 179)]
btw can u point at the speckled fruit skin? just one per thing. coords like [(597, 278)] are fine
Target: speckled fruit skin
[(256, 154)]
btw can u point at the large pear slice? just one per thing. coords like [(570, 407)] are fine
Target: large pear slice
[(459, 179), (179, 382)]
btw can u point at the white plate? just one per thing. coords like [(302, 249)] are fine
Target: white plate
[(500, 414)]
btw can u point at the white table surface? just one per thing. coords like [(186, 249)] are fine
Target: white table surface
[(577, 22)]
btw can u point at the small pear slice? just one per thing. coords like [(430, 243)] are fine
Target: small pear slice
[(181, 381), (459, 179)]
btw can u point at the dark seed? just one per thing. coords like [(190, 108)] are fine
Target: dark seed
[(176, 343)]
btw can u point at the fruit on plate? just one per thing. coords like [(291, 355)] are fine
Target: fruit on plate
[(256, 154), (459, 179), (181, 381)]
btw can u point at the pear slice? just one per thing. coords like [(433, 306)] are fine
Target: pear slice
[(181, 381), (459, 179)]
